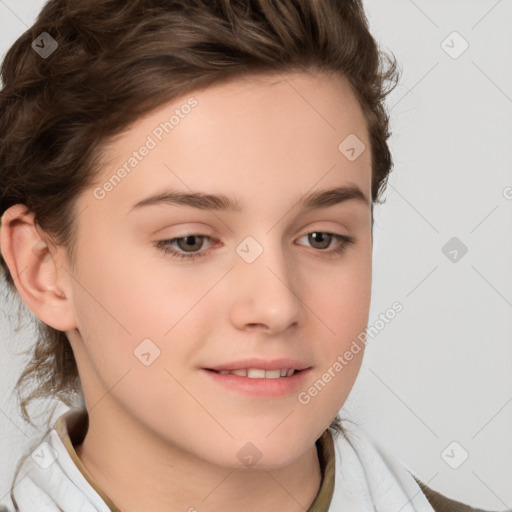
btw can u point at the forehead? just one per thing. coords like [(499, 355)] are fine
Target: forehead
[(262, 134)]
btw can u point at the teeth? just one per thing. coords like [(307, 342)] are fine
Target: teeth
[(255, 373), (258, 373), (272, 374)]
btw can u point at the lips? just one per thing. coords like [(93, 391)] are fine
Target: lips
[(257, 386), (259, 364)]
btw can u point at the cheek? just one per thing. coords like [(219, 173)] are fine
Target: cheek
[(343, 310), (132, 291), (342, 299), (133, 308)]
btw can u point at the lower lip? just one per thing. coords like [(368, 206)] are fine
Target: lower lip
[(281, 386)]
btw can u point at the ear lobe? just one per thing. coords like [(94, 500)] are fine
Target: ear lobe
[(35, 269)]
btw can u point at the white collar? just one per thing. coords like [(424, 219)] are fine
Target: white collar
[(366, 477)]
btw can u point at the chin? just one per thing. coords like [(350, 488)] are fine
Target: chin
[(260, 454)]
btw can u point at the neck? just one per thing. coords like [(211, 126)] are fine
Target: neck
[(137, 471)]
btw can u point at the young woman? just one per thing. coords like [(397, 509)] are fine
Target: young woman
[(187, 209)]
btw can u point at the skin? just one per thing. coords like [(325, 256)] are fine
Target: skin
[(164, 434)]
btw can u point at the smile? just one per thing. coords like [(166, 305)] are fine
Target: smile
[(257, 382), (258, 373)]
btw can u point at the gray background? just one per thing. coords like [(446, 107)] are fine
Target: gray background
[(440, 371)]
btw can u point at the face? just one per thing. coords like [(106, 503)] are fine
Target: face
[(165, 292)]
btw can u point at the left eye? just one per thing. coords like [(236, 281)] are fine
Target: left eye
[(194, 242)]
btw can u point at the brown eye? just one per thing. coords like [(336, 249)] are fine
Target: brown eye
[(321, 240), (320, 237), (184, 247), (190, 243)]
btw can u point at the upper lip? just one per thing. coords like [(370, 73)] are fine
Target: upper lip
[(264, 364)]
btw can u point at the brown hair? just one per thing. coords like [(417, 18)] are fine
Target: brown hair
[(118, 60)]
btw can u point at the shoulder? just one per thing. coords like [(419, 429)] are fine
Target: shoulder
[(441, 503)]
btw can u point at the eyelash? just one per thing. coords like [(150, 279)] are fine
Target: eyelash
[(164, 245)]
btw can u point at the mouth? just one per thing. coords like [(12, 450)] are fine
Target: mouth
[(258, 373), (258, 382)]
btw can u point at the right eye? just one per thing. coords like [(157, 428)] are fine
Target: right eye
[(191, 241)]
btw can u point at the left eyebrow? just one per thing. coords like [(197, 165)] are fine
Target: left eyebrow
[(221, 202), (333, 196)]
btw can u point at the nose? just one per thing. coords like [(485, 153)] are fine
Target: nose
[(267, 292)]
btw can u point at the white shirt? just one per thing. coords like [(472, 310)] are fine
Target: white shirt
[(366, 477)]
